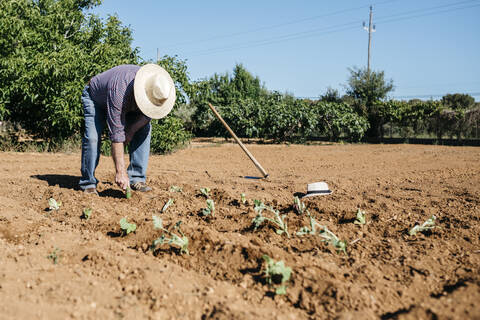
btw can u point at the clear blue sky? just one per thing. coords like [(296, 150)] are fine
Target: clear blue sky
[(302, 47)]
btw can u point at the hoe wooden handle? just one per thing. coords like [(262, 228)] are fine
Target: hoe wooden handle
[(257, 164)]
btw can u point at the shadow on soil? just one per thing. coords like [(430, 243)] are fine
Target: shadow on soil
[(62, 180), (71, 182), (112, 193)]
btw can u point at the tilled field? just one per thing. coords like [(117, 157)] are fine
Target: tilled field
[(386, 273)]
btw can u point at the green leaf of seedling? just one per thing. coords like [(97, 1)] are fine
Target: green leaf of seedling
[(258, 221), (126, 226), (168, 204), (87, 213), (360, 219), (259, 206), (54, 256), (276, 273), (128, 193), (281, 290), (175, 189), (210, 209), (427, 225), (298, 205), (205, 191), (53, 204), (174, 239), (243, 199), (157, 222)]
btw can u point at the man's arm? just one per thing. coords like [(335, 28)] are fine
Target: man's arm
[(121, 176)]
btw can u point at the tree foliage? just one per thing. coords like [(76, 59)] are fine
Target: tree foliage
[(49, 50), (369, 89), (458, 101), (221, 90)]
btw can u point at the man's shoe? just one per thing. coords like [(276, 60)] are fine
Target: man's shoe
[(91, 191), (141, 187)]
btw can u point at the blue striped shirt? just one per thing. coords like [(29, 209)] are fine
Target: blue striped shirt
[(113, 90)]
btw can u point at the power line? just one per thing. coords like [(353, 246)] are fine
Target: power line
[(331, 29), (274, 26), (292, 36)]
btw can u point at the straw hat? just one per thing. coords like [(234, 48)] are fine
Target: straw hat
[(154, 91), (317, 189)]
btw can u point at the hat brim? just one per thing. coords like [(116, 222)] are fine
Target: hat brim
[(144, 104), (318, 193)]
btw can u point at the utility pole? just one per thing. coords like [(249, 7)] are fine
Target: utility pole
[(158, 55), (370, 29)]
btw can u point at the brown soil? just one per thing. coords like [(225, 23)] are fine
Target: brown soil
[(385, 274)]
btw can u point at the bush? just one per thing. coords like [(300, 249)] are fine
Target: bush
[(339, 120), (168, 135), (48, 51)]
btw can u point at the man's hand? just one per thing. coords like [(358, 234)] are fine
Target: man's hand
[(121, 179)]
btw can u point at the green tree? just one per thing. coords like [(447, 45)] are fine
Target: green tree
[(222, 90), (369, 89), (331, 95), (49, 49), (170, 133), (458, 101)]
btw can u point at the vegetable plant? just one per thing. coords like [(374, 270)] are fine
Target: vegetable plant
[(276, 273), (322, 231), (243, 199), (175, 189), (128, 192), (54, 256), (126, 226), (168, 204), (169, 237), (87, 213), (278, 220), (205, 191), (54, 204), (427, 225), (298, 205), (360, 218), (210, 209)]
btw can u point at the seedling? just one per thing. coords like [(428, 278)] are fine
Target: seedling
[(169, 237), (205, 191), (427, 225), (126, 226), (87, 213), (309, 231), (327, 235), (168, 204), (299, 206), (54, 256), (54, 204), (175, 189), (157, 222), (210, 209), (128, 192), (278, 220), (360, 219), (243, 199), (276, 272), (259, 206)]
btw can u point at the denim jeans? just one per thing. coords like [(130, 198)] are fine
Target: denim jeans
[(95, 120)]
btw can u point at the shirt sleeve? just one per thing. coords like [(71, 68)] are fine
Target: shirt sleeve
[(119, 90)]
